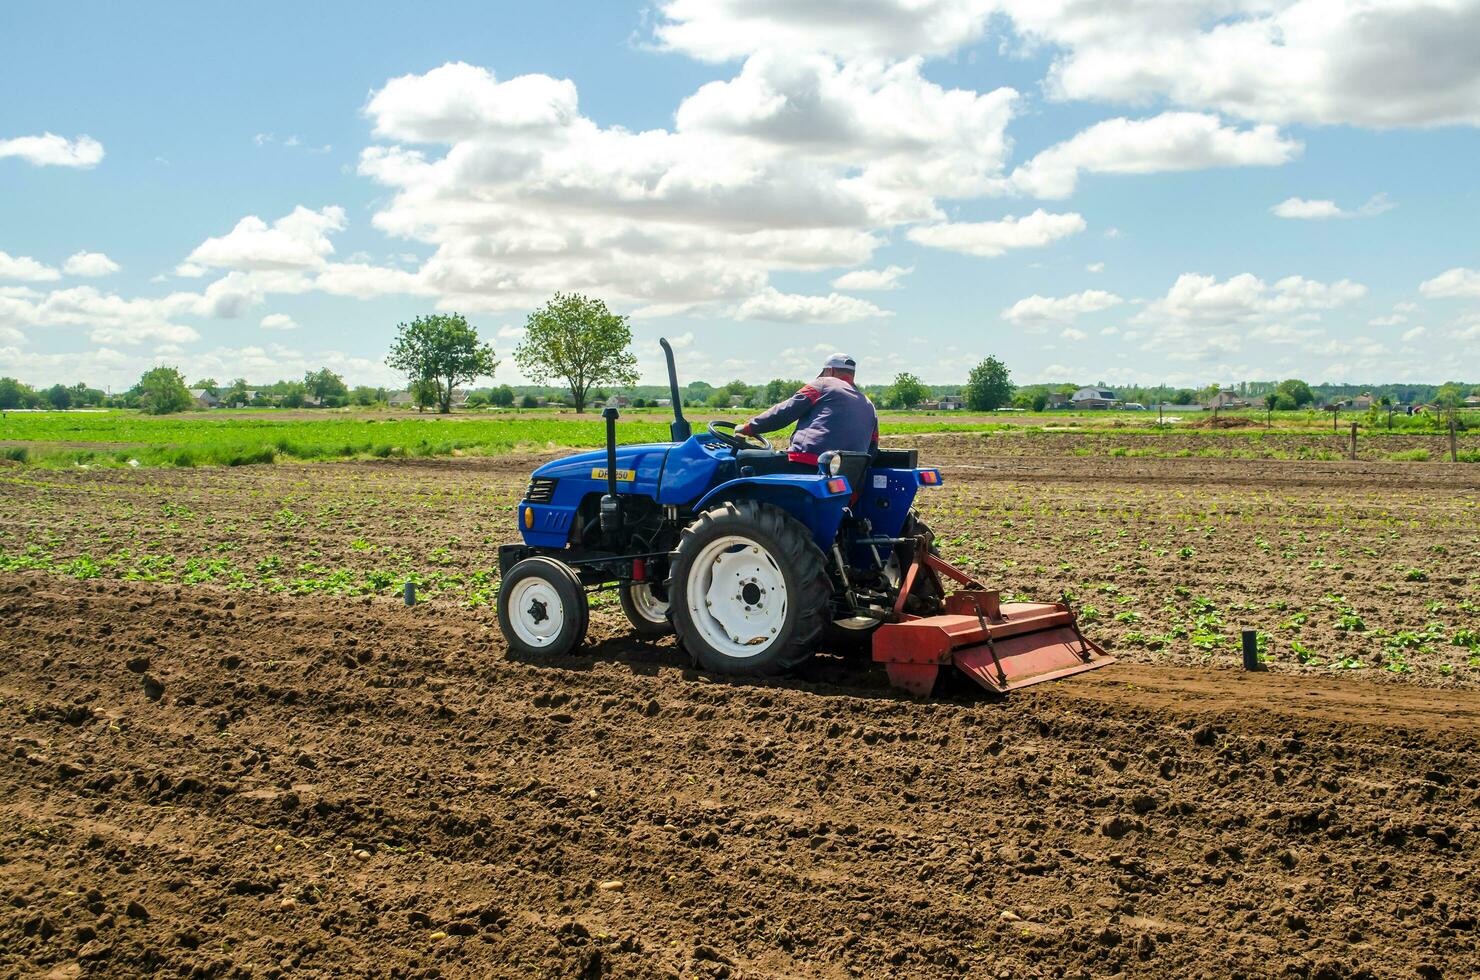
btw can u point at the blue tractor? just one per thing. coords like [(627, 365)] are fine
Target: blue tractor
[(755, 565)]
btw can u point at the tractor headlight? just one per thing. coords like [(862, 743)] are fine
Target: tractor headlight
[(831, 462)]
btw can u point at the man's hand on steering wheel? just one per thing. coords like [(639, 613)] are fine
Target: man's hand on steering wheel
[(738, 437)]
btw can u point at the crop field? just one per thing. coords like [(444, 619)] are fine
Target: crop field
[(231, 750), (65, 439)]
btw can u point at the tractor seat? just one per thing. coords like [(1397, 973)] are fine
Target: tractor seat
[(766, 461)]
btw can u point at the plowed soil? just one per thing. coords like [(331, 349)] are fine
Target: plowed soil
[(255, 768)]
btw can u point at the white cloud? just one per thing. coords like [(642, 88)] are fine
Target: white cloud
[(1095, 267), (791, 308), (90, 265), (992, 238), (1169, 142), (1296, 207), (1037, 309), (51, 150), (1201, 318), (26, 269), (872, 279), (278, 321), (297, 241), (798, 163), (720, 30), (1073, 334), (1455, 282), (1387, 321), (1375, 64), (1414, 334)]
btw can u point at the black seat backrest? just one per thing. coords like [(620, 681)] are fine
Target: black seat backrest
[(854, 466), (901, 459)]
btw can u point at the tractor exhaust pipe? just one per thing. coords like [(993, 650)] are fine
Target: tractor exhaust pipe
[(611, 504), (679, 430)]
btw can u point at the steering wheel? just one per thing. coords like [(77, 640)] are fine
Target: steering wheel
[(736, 441)]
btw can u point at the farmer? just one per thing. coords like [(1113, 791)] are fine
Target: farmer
[(830, 413)]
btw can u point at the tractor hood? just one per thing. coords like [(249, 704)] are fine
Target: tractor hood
[(638, 467)]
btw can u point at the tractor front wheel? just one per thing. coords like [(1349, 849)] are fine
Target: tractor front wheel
[(646, 608), (542, 608), (749, 589)]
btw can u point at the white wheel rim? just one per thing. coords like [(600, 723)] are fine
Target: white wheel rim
[(648, 606), (737, 597), (536, 612)]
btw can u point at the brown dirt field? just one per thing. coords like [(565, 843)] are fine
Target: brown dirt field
[(220, 774)]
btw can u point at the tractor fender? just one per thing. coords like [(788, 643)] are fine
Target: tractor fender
[(814, 500)]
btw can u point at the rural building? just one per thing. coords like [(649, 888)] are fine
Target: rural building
[(618, 401), (1227, 399), (402, 399), (1094, 398), (664, 403), (952, 403), (1058, 400), (204, 399), (1473, 401)]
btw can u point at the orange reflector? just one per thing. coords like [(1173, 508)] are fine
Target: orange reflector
[(837, 485), (929, 477), (529, 517)]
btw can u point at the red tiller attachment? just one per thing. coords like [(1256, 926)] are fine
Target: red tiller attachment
[(1001, 646)]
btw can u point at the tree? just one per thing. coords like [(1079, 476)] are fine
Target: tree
[(440, 350), (779, 389), (477, 400), (502, 397), (364, 395), (1451, 394), (13, 393), (59, 397), (579, 340), (529, 401), (907, 391), (988, 386), (426, 394), (162, 391), (1298, 391), (328, 387), (208, 385), (236, 395), (1040, 401), (293, 395)]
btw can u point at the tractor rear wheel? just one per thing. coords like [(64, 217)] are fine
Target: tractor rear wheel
[(542, 608), (749, 589), (646, 607)]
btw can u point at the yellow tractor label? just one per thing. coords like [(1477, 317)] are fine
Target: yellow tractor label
[(623, 476)]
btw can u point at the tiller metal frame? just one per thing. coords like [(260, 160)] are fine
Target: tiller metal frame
[(1001, 646)]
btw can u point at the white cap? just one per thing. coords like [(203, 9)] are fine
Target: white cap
[(841, 362)]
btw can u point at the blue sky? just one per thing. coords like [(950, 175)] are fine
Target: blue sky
[(1202, 194)]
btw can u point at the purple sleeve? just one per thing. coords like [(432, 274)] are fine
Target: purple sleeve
[(782, 414)]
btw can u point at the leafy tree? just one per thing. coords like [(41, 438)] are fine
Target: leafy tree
[(1451, 394), (1184, 396), (59, 397), (293, 395), (778, 389), (1298, 391), (502, 396), (907, 391), (328, 387), (365, 395), (529, 401), (441, 350), (477, 400), (988, 386), (13, 393), (425, 394), (208, 385), (1040, 401), (236, 395), (580, 341), (162, 391)]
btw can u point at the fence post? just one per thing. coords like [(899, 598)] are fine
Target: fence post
[(1251, 650), (1453, 446), (1354, 440)]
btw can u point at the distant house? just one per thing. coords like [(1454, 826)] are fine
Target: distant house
[(402, 399), (204, 399), (952, 403), (665, 402), (1362, 402), (618, 401), (1057, 399), (1227, 399), (1472, 401), (1094, 398), (928, 405)]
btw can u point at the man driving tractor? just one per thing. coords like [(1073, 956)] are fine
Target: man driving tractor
[(831, 416)]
